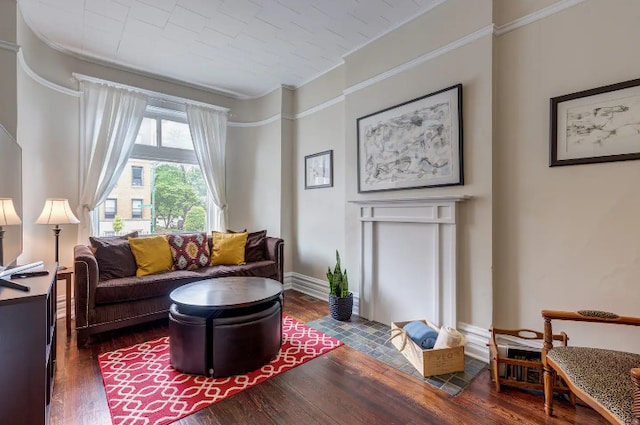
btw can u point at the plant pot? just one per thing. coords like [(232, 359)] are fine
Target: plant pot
[(341, 307)]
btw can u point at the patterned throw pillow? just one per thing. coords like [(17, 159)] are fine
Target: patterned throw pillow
[(189, 251)]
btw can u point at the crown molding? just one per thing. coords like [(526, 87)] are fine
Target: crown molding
[(481, 33), (256, 123), (43, 81), (320, 107), (536, 16)]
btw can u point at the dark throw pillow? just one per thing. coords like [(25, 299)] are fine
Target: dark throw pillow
[(114, 256), (254, 249)]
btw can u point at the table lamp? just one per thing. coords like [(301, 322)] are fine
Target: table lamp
[(56, 212), (8, 217)]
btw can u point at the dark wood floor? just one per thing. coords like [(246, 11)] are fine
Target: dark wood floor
[(341, 387)]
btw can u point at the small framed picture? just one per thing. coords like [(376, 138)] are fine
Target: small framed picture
[(318, 170), (596, 125)]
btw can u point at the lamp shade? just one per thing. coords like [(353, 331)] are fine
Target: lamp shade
[(57, 211), (8, 214)]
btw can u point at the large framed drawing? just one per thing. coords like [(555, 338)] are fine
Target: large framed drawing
[(596, 125), (415, 144), (318, 170)]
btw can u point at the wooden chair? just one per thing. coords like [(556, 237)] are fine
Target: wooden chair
[(606, 380)]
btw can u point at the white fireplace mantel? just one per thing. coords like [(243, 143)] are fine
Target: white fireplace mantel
[(408, 259)]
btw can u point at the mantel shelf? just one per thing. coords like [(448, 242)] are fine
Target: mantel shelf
[(423, 200)]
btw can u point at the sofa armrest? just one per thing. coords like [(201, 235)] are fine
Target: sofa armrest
[(86, 281), (274, 251)]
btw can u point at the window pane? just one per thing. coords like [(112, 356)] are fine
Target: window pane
[(148, 132), (171, 198), (110, 208), (136, 175), (176, 135), (136, 208)]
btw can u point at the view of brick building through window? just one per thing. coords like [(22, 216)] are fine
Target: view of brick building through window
[(158, 195)]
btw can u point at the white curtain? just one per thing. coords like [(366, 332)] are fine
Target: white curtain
[(209, 133), (110, 122)]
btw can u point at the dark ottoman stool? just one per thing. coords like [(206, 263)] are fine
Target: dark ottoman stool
[(188, 336)]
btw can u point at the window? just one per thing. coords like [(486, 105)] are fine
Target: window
[(110, 208), (136, 208), (172, 196), (136, 175)]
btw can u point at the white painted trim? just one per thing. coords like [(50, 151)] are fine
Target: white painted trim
[(320, 107), (323, 73), (482, 32), (437, 214), (61, 307), (536, 16), (255, 123), (7, 45), (317, 288), (311, 286), (395, 27), (46, 83), (287, 281), (410, 202), (150, 93), (477, 340)]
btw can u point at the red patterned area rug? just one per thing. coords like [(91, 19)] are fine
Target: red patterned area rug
[(143, 388)]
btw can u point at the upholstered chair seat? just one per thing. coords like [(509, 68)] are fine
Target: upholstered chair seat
[(603, 374), (606, 380)]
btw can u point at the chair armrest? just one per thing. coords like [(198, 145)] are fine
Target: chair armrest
[(274, 251), (86, 281), (581, 316)]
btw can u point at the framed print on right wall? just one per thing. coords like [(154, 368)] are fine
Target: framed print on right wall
[(596, 125)]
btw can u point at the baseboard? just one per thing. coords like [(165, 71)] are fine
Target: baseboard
[(477, 339), (317, 288), (61, 306), (287, 281)]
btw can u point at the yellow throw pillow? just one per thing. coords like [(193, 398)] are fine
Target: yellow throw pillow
[(228, 248), (152, 254)]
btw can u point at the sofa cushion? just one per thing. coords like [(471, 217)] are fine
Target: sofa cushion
[(228, 248), (152, 254), (189, 251), (260, 269), (114, 256), (134, 288)]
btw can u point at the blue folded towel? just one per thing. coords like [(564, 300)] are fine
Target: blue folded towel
[(421, 334)]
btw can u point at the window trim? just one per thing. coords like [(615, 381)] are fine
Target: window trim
[(141, 200), (141, 176), (115, 209)]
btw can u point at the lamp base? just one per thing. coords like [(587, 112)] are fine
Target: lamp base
[(62, 267)]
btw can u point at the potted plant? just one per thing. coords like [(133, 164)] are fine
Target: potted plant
[(340, 299)]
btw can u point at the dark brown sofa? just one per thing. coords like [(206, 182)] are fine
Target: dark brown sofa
[(116, 303)]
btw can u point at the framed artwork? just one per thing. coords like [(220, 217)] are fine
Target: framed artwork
[(414, 144), (597, 125), (318, 170)]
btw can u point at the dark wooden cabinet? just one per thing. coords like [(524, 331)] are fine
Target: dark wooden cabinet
[(28, 350)]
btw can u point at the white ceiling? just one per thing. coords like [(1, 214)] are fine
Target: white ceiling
[(245, 48)]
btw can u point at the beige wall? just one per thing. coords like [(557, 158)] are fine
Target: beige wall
[(475, 229), (531, 237), (565, 237)]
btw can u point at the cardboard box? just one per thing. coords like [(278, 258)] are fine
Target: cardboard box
[(428, 362)]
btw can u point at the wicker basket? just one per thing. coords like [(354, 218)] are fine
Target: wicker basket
[(341, 307)]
